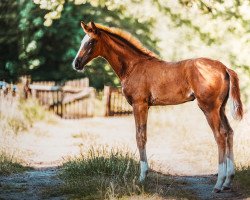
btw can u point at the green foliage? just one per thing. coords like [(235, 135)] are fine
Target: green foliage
[(10, 164), (234, 11), (100, 161), (46, 50), (99, 172), (9, 48), (216, 23), (179, 20)]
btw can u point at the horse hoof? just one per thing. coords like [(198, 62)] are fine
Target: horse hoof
[(226, 188), (141, 179), (216, 190)]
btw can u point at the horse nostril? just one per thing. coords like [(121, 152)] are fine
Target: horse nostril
[(77, 64)]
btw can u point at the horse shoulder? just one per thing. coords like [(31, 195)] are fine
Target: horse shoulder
[(134, 87)]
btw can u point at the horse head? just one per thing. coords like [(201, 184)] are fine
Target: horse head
[(90, 46)]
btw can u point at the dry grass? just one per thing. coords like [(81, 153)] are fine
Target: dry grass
[(9, 163), (242, 180), (104, 173), (12, 120), (16, 117)]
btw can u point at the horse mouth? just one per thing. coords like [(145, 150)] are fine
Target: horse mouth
[(79, 68), (79, 65)]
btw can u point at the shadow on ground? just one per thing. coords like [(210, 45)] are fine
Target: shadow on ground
[(30, 184), (44, 183)]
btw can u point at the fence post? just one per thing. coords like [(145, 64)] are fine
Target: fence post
[(61, 103), (106, 96), (24, 86), (91, 102)]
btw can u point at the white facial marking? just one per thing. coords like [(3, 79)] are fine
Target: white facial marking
[(84, 40), (144, 169)]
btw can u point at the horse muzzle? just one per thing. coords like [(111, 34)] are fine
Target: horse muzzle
[(79, 64)]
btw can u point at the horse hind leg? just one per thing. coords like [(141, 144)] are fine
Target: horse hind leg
[(215, 122), (221, 140), (229, 150), (230, 162)]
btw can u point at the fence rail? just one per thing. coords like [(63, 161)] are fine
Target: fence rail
[(72, 101), (7, 89)]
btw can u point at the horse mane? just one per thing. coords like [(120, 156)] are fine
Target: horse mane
[(127, 38)]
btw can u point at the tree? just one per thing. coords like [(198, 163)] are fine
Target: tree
[(49, 46), (9, 40), (216, 29), (216, 22)]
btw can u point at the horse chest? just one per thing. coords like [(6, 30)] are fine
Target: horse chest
[(135, 94)]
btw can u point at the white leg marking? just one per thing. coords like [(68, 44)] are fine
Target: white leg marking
[(221, 175), (230, 173), (144, 169)]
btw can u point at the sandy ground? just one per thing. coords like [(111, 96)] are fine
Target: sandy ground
[(47, 146)]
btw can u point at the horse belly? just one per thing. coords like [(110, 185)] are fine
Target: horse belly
[(171, 96)]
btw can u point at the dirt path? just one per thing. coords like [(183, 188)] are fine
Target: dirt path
[(48, 145), (30, 185), (202, 186)]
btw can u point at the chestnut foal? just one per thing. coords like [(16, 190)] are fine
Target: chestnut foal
[(148, 81)]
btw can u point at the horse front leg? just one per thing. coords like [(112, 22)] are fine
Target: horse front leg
[(141, 115)]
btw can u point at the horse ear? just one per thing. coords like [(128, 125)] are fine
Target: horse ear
[(93, 27), (84, 27)]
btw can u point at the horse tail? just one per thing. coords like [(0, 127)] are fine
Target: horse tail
[(234, 93)]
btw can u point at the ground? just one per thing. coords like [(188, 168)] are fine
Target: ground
[(181, 156)]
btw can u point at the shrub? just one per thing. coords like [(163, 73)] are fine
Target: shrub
[(10, 164)]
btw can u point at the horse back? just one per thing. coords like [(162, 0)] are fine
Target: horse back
[(171, 83)]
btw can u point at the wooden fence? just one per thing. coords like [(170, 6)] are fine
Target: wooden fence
[(7, 89), (115, 102), (72, 101)]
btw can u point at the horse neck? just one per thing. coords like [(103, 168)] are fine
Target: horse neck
[(121, 57)]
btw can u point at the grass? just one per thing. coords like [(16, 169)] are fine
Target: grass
[(112, 174), (18, 115), (242, 180), (10, 164), (32, 111), (12, 120)]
